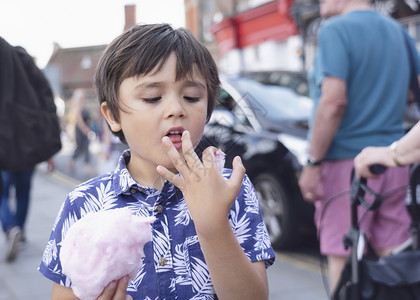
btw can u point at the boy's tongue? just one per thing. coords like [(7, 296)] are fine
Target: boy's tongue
[(176, 140)]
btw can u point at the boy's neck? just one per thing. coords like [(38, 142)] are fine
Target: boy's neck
[(145, 177)]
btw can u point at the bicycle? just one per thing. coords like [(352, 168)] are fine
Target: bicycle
[(368, 277)]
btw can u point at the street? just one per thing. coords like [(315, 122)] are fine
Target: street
[(294, 276)]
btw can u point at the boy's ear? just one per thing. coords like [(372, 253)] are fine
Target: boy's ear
[(106, 112)]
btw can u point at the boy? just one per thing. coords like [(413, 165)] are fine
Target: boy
[(157, 87)]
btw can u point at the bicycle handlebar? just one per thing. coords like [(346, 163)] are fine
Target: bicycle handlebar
[(359, 187), (377, 169)]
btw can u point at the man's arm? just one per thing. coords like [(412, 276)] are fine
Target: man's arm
[(328, 116)]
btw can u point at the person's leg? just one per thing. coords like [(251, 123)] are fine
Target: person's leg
[(335, 267), (84, 145), (23, 188), (7, 217), (85, 150), (1, 188), (77, 151), (333, 215), (390, 226)]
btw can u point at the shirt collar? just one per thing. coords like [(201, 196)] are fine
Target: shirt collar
[(123, 182)]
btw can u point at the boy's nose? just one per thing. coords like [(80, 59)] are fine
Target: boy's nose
[(175, 107)]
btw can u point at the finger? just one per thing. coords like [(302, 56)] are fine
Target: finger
[(310, 197), (361, 168), (108, 291), (175, 157), (169, 176), (360, 171), (190, 156), (121, 291), (209, 159), (238, 174), (115, 290)]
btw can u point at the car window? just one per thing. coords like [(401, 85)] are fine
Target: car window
[(240, 116), (297, 81), (227, 102), (275, 103)]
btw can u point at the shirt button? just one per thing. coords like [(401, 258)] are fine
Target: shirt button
[(133, 190), (159, 209), (140, 189), (162, 261)]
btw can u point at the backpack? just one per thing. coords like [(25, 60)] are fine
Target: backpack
[(29, 125)]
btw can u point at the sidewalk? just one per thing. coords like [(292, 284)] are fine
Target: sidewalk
[(289, 278), (21, 280)]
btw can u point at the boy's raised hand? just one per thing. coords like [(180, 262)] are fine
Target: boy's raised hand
[(208, 194)]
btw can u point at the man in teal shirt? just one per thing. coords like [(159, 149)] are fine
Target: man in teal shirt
[(359, 84)]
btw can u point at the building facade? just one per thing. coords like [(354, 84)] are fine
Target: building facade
[(264, 35), (251, 35)]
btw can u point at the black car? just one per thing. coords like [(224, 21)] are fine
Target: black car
[(267, 126)]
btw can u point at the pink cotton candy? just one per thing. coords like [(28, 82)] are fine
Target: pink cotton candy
[(220, 159), (102, 247)]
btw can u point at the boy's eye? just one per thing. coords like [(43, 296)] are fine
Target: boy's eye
[(151, 100), (192, 99)]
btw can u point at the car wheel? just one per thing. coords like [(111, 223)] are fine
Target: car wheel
[(276, 210)]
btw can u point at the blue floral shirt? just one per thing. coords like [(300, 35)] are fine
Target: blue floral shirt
[(174, 265)]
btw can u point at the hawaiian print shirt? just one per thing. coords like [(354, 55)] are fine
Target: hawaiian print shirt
[(174, 265)]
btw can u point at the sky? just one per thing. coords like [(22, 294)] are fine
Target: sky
[(37, 24)]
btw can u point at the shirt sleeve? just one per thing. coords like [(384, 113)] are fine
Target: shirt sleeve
[(333, 53), (50, 265), (248, 225)]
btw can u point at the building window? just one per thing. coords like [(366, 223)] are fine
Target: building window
[(86, 62)]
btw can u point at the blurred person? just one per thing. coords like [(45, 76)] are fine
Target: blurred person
[(13, 222), (82, 131), (359, 81), (112, 149), (30, 135), (61, 110), (16, 188), (403, 152)]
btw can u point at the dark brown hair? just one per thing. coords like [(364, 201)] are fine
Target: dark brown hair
[(145, 48)]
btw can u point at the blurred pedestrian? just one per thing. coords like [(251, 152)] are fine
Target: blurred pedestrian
[(82, 130), (13, 222), (16, 189), (112, 149), (360, 82), (30, 135)]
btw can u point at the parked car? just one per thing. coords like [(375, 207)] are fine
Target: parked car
[(267, 126), (296, 80)]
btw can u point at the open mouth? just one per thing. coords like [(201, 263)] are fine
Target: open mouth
[(175, 135)]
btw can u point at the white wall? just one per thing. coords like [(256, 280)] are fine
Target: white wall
[(270, 55)]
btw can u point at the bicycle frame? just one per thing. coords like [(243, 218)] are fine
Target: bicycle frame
[(355, 238)]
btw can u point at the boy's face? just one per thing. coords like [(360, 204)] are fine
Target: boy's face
[(155, 106)]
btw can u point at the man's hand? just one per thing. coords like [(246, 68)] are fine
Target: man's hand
[(309, 183)]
